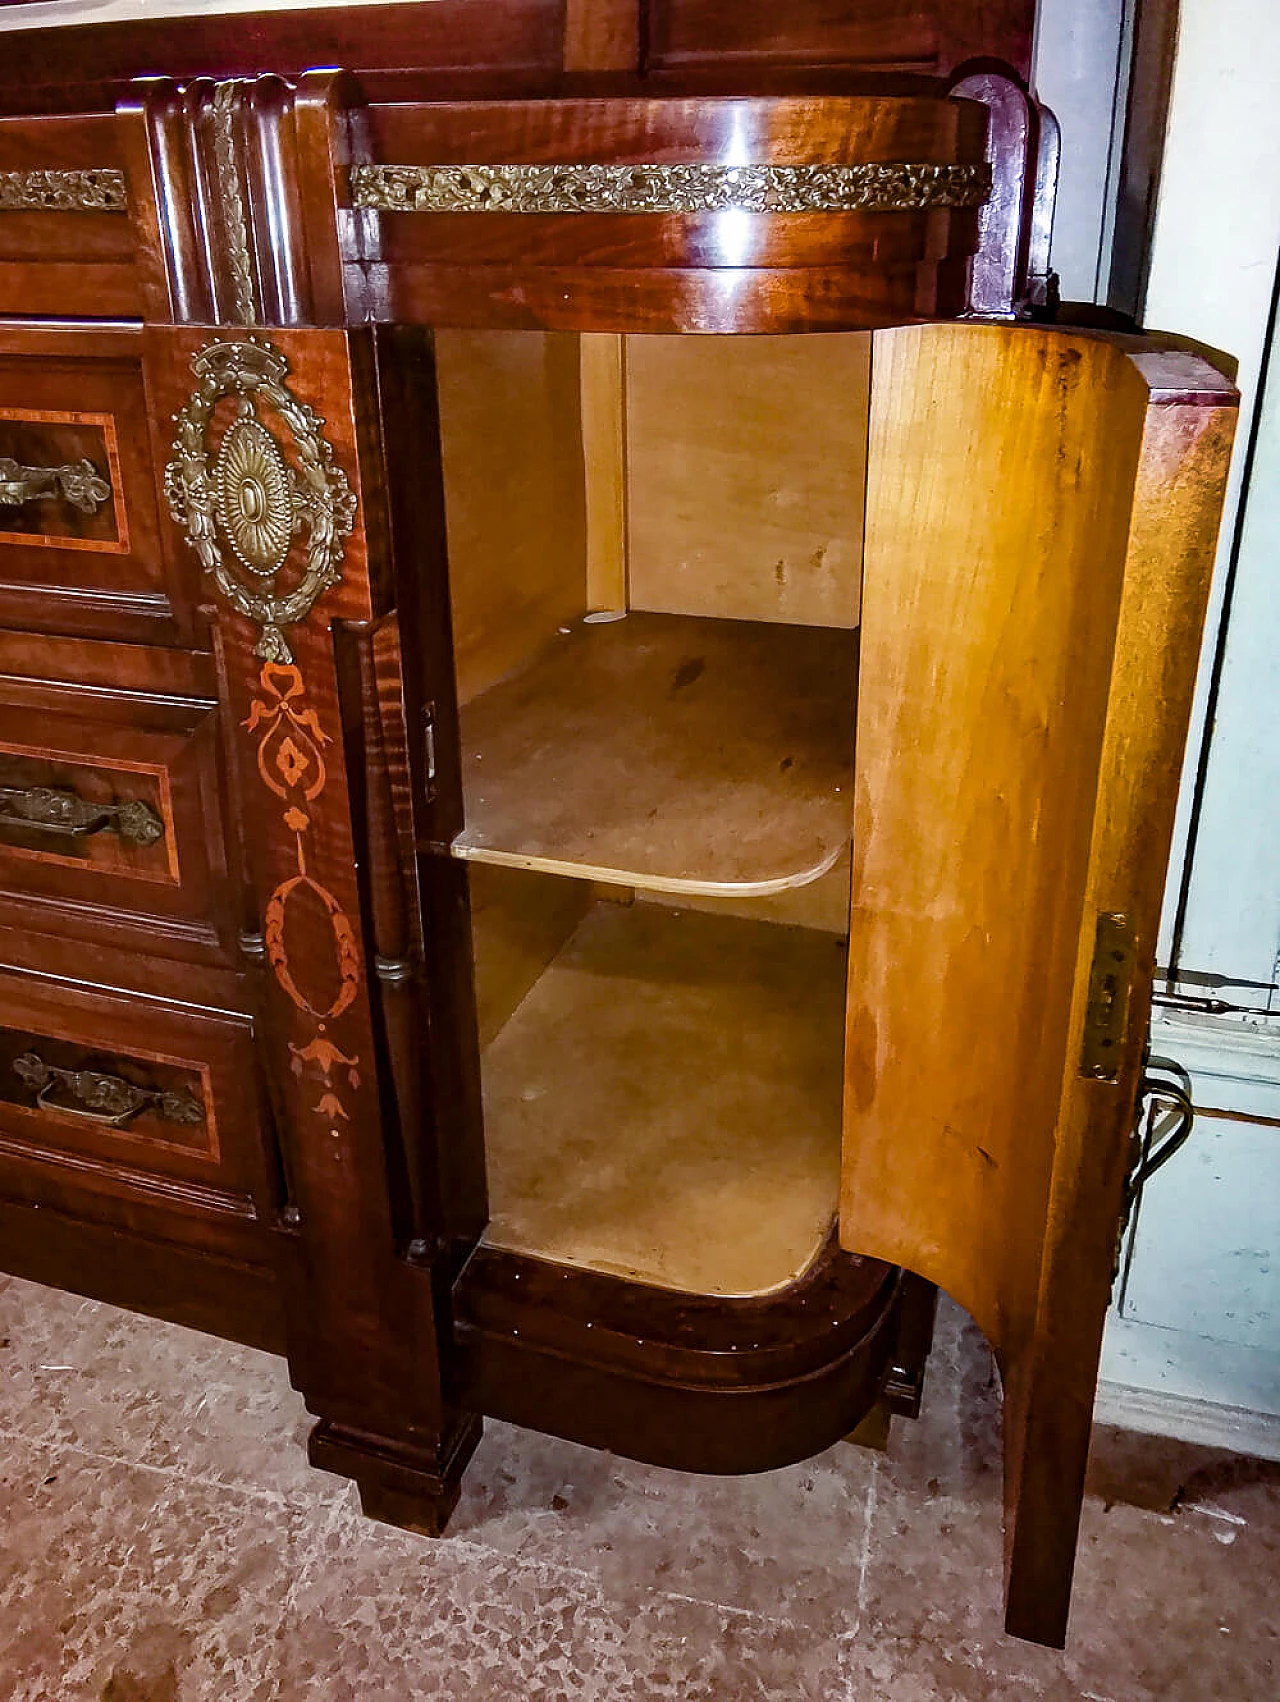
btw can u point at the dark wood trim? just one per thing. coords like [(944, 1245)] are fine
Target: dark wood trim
[(446, 1148), (88, 67), (182, 1285), (695, 1382), (409, 1487)]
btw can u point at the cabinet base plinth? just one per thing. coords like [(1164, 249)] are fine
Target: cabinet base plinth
[(413, 1487)]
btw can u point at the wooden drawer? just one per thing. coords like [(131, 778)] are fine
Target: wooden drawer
[(110, 802), (67, 243), (79, 539), (106, 1094)]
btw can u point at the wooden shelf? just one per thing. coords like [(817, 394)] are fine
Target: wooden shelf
[(665, 1102), (668, 752)]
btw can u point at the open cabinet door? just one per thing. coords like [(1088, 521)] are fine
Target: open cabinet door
[(1042, 508)]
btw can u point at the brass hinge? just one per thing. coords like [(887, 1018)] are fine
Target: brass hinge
[(1110, 985)]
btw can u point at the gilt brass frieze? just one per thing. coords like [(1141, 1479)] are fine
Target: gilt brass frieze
[(98, 191), (667, 188)]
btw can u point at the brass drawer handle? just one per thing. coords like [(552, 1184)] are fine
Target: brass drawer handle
[(77, 482), (57, 809), (102, 1098)]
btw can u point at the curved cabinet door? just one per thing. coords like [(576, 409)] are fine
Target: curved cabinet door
[(1041, 514)]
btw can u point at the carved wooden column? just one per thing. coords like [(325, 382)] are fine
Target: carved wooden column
[(265, 414)]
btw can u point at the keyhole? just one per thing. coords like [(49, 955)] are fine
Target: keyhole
[(253, 500)]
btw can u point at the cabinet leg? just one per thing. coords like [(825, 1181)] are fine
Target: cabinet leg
[(415, 1487)]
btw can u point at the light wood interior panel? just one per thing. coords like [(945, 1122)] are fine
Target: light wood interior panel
[(660, 751), (1040, 525), (519, 921), (604, 454), (665, 1102), (1002, 465), (510, 408), (746, 466)]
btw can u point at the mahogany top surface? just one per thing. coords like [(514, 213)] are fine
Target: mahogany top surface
[(61, 57), (673, 129)]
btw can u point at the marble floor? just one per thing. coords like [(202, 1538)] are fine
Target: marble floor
[(164, 1541)]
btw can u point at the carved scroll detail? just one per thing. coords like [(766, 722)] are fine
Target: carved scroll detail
[(667, 188), (101, 190), (246, 505)]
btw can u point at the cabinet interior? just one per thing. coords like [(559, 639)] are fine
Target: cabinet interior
[(655, 550)]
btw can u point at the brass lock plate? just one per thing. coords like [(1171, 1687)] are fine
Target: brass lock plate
[(1110, 985)]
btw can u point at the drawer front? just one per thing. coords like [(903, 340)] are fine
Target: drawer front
[(111, 814), (67, 244), (104, 1093), (80, 548)]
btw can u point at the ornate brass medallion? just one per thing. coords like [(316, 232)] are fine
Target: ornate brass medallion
[(244, 511), (255, 503)]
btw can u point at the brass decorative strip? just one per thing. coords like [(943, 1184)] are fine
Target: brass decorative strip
[(231, 195), (98, 191), (667, 188), (102, 1098), (77, 482)]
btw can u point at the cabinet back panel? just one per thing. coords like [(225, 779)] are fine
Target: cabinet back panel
[(664, 1102), (746, 475)]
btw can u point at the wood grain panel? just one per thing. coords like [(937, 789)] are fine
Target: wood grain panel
[(746, 475), (879, 33), (219, 1166), (471, 39), (603, 35), (604, 454), (62, 400), (702, 271), (1177, 501), (998, 570), (514, 503), (919, 35), (58, 262), (782, 130), (153, 747), (315, 793), (645, 299)]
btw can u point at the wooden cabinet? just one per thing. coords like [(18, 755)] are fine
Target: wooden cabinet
[(650, 836)]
